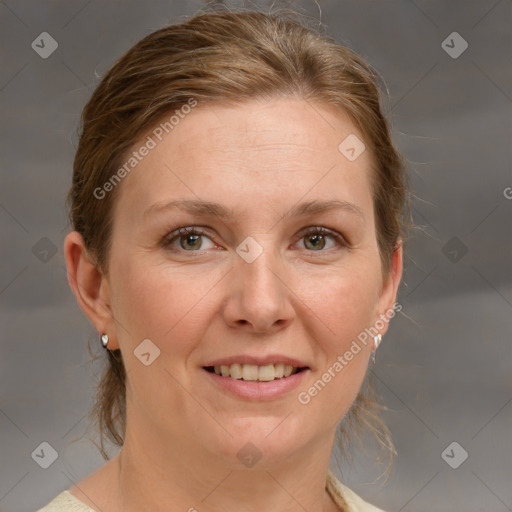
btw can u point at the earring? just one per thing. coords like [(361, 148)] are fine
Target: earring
[(104, 340), (376, 342)]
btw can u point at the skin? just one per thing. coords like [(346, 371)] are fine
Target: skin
[(183, 432)]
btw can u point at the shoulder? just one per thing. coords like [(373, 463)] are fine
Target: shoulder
[(65, 502), (347, 499), (344, 497)]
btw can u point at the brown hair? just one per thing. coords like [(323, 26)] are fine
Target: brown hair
[(226, 57)]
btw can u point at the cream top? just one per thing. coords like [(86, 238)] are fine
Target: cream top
[(346, 499)]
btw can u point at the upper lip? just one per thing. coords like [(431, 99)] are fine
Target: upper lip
[(259, 361)]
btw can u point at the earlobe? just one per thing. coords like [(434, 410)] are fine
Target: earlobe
[(87, 282)]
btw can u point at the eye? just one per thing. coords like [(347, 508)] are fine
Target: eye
[(189, 239), (316, 239), (192, 239)]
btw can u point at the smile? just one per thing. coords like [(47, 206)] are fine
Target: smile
[(253, 372)]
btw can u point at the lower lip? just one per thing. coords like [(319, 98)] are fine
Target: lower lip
[(258, 390)]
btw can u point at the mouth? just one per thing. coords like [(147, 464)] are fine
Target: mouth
[(255, 373)]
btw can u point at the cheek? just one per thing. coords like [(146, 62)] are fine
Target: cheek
[(166, 306), (343, 306), (150, 302), (343, 301), (337, 381)]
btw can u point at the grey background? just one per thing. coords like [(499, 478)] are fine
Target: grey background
[(444, 367)]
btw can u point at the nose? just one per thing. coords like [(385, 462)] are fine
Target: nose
[(259, 295)]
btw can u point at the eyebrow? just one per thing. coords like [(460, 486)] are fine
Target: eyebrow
[(208, 208)]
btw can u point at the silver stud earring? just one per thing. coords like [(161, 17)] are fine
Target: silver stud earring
[(104, 340), (376, 342)]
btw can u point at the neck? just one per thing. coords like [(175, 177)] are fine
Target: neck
[(157, 477)]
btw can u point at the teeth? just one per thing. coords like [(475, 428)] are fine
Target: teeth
[(252, 372), (235, 371), (249, 372), (266, 372)]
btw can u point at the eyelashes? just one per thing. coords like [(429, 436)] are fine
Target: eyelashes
[(190, 233), (194, 237)]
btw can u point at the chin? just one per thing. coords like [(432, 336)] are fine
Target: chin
[(265, 441)]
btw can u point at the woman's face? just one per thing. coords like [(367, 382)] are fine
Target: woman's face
[(270, 283)]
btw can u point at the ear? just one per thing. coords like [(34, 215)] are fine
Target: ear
[(389, 291), (90, 286)]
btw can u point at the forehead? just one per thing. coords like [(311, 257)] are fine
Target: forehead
[(279, 128), (270, 150)]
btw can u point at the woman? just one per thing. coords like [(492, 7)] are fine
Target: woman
[(238, 210)]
